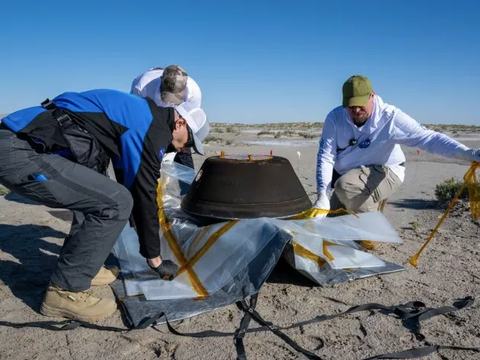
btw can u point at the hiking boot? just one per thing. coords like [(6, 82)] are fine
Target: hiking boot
[(366, 244), (76, 305), (105, 276)]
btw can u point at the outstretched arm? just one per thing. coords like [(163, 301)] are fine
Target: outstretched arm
[(409, 132)]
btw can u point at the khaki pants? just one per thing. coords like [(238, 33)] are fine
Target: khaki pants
[(363, 188)]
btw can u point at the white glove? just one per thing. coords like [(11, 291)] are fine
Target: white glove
[(472, 155), (322, 203)]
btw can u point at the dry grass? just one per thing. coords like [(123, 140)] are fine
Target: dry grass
[(453, 128), (317, 126), (269, 126)]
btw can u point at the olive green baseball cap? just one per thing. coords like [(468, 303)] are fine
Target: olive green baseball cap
[(356, 91)]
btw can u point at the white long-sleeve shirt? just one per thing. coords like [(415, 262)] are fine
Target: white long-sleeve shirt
[(377, 142), (148, 85)]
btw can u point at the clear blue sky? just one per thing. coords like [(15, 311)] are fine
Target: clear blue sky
[(255, 61)]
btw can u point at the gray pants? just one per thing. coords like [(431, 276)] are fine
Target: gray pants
[(361, 189), (101, 206)]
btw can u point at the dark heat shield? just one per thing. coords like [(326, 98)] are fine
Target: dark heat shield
[(245, 187)]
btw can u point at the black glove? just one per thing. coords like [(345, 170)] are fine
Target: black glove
[(167, 269)]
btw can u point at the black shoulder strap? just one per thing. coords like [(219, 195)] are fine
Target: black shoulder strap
[(62, 118), (48, 104)]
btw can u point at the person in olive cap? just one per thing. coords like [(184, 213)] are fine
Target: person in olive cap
[(169, 87), (359, 152)]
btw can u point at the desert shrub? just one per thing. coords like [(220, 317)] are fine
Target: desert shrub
[(308, 135), (229, 142), (415, 225), (288, 133), (263, 132), (211, 138), (231, 129), (4, 191), (445, 191), (218, 130)]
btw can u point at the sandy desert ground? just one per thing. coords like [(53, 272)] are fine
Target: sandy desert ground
[(31, 237)]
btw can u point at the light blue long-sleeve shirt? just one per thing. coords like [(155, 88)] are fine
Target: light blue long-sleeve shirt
[(376, 143)]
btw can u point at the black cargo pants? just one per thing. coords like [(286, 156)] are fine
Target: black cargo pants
[(102, 206)]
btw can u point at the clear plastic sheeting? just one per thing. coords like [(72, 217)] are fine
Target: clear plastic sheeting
[(325, 275), (209, 267), (332, 239), (210, 256)]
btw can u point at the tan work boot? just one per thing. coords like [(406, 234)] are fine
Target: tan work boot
[(76, 305), (105, 276)]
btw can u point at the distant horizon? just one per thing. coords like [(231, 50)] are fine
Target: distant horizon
[(305, 122)]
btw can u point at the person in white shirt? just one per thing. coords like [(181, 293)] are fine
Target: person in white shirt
[(169, 87), (360, 143)]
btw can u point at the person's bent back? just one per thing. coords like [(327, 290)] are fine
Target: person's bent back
[(57, 154)]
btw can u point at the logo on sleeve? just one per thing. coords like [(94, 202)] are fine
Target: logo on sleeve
[(161, 153), (364, 144)]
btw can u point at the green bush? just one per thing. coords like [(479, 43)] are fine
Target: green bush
[(415, 225), (308, 135), (445, 191), (288, 133), (211, 138), (263, 132), (4, 191)]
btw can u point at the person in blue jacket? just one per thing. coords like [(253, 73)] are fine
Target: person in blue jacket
[(57, 154)]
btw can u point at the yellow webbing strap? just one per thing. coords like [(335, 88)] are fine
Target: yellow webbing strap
[(312, 212), (177, 251), (325, 250), (197, 238), (467, 180), (300, 250), (473, 192), (215, 236)]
